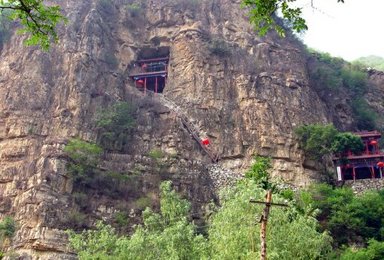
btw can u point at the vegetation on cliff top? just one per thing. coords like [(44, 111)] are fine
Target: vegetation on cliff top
[(330, 74), (372, 61)]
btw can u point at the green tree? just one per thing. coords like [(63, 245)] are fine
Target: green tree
[(316, 140), (374, 251), (164, 235), (261, 15), (83, 157), (7, 228), (347, 142), (234, 231), (114, 124), (259, 172), (37, 19), (349, 218)]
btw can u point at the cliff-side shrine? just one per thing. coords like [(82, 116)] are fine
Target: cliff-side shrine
[(367, 165), (150, 73)]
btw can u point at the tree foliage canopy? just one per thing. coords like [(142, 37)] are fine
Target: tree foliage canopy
[(318, 140), (348, 217), (261, 15), (115, 123), (164, 235), (232, 233), (39, 20)]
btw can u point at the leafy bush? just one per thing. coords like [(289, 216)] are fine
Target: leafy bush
[(84, 157), (374, 251), (164, 235), (7, 228), (156, 154), (355, 79), (110, 59), (364, 115), (334, 73), (122, 218), (259, 172), (232, 232), (143, 203), (219, 47), (348, 217), (320, 140), (115, 123), (316, 140), (76, 219), (347, 142), (328, 77)]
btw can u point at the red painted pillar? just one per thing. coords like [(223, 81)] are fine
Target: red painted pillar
[(366, 148), (354, 173), (145, 86), (156, 86), (372, 172)]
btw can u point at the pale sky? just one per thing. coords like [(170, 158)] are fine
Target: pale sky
[(350, 30)]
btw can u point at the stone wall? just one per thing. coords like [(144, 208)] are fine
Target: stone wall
[(360, 186)]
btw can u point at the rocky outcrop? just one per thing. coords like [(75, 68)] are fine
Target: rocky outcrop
[(245, 92)]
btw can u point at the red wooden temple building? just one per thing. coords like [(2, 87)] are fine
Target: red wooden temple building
[(367, 165), (150, 74)]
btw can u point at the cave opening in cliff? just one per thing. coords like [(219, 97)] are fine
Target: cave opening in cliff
[(150, 71)]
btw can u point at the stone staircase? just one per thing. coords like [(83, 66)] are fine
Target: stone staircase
[(193, 130)]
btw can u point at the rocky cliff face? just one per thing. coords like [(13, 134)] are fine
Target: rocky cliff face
[(246, 93)]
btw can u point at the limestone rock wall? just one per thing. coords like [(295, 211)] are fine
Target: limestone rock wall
[(245, 92)]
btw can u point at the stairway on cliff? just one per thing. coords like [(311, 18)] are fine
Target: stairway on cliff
[(194, 130)]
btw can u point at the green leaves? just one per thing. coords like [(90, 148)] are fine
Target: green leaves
[(84, 158), (164, 235), (234, 231), (347, 142), (319, 140), (259, 172), (115, 123), (38, 20), (261, 15), (7, 228), (316, 139), (348, 217)]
